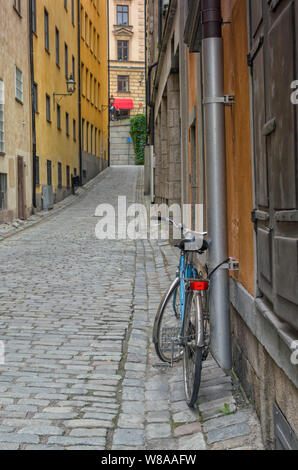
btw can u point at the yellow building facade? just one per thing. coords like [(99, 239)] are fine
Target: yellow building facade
[(55, 52), (94, 86)]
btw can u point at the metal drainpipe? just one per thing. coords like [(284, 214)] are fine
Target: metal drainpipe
[(214, 117)]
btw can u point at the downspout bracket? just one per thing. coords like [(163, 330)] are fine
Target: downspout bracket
[(228, 100)]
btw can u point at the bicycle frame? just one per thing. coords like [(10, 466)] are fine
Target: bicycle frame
[(186, 271)]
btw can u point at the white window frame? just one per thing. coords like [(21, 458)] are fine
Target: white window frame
[(19, 89)]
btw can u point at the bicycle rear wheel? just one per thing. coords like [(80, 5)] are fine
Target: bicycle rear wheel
[(193, 353), (167, 326)]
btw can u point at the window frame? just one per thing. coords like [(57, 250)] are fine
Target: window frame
[(48, 109), (57, 43), (120, 78), (17, 5), (46, 30), (121, 14), (122, 45), (60, 176)]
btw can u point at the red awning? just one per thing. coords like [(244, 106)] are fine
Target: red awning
[(121, 103)]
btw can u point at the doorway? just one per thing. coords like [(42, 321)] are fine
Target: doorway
[(21, 189)]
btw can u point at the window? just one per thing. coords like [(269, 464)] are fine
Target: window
[(57, 47), (59, 175), (86, 28), (2, 129), (3, 189), (74, 126), (91, 138), (37, 177), (17, 6), (83, 80), (122, 47), (65, 4), (49, 172), (35, 97), (73, 68), (72, 12), (46, 31), (87, 137), (122, 15), (87, 85), (97, 47), (82, 23), (67, 123), (58, 117), (123, 83), (19, 85), (34, 16), (66, 60), (83, 134), (91, 88), (48, 108)]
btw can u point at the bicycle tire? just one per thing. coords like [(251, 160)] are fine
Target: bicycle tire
[(167, 325), (193, 353)]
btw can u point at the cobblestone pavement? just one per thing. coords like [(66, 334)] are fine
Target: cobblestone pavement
[(75, 317)]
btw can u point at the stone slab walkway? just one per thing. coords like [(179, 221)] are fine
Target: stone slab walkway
[(76, 316)]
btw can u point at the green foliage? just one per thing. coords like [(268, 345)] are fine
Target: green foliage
[(226, 410), (138, 134)]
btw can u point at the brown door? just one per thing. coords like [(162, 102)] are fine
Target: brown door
[(273, 62), (21, 189)]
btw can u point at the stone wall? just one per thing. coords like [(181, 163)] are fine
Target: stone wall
[(263, 381), (167, 145)]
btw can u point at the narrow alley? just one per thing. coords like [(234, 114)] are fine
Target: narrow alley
[(76, 319)]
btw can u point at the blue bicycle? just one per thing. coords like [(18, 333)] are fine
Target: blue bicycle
[(181, 326)]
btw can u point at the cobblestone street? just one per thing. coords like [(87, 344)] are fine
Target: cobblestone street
[(75, 317)]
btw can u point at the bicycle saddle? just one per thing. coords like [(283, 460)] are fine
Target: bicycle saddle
[(183, 242)]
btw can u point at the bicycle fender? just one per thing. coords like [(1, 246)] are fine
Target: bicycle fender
[(162, 306), (200, 319)]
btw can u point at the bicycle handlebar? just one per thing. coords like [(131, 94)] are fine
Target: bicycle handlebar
[(180, 226)]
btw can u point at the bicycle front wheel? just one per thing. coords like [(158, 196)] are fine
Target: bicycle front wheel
[(167, 326), (193, 353)]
